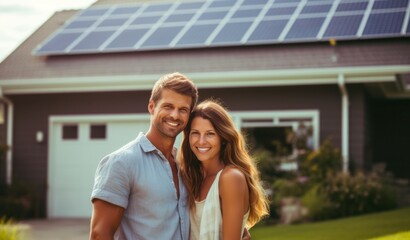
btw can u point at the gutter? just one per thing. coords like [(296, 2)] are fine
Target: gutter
[(9, 140), (345, 122)]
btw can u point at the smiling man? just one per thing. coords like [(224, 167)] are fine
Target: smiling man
[(138, 191)]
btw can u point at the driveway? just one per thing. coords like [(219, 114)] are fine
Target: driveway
[(57, 229)]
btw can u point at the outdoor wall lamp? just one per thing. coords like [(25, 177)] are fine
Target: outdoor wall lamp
[(39, 136)]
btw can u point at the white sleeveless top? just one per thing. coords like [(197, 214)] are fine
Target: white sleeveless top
[(206, 220)]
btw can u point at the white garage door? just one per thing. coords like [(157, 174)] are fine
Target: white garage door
[(76, 145)]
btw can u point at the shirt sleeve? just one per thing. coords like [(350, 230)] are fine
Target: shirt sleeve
[(112, 182)]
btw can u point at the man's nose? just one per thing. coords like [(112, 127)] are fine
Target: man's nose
[(175, 113)]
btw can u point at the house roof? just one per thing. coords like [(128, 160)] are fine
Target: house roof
[(215, 23), (366, 60)]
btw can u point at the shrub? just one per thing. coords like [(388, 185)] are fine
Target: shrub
[(344, 195), (318, 164), (360, 194), (7, 231), (318, 204), (267, 164), (285, 189), (16, 201)]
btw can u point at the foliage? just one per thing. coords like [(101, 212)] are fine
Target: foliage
[(318, 203), (7, 231), (317, 165), (359, 194), (267, 164), (344, 195), (16, 201), (324, 190)]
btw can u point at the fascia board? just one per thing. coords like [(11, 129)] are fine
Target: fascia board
[(287, 77)]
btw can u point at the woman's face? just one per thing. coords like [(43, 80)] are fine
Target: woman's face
[(205, 143)]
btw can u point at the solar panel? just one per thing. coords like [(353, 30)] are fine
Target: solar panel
[(343, 26), (60, 42), (161, 37), (211, 23), (125, 10), (127, 39), (408, 26), (268, 31), (214, 15), (232, 33), (278, 11), (351, 6), (384, 23), (93, 12), (183, 17), (386, 4), (323, 8), (305, 28), (92, 41), (112, 22)]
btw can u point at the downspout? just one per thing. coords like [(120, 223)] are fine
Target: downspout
[(9, 140), (345, 123)]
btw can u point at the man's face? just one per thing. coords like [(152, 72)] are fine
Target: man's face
[(170, 114)]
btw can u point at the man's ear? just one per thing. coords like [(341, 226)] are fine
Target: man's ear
[(151, 107)]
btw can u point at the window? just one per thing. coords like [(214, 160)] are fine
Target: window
[(98, 131), (70, 132), (283, 134)]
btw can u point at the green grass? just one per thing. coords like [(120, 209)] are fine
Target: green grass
[(397, 236), (360, 228)]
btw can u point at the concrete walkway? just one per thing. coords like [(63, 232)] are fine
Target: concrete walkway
[(57, 229)]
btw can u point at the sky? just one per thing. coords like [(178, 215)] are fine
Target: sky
[(20, 18)]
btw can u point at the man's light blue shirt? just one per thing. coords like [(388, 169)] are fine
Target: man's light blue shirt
[(138, 178)]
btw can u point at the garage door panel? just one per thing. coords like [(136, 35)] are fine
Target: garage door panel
[(72, 163)]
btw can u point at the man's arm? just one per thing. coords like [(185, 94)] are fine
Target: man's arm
[(105, 220)]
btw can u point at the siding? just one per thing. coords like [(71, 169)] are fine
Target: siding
[(3, 139), (31, 115), (324, 98), (32, 112)]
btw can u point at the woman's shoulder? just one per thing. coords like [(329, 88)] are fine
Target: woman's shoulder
[(232, 176)]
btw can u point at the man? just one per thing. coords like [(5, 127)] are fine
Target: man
[(138, 193)]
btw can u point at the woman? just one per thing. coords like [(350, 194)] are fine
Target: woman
[(225, 194)]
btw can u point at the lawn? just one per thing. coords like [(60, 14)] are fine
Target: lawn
[(360, 227)]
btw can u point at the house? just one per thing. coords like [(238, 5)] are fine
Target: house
[(78, 87)]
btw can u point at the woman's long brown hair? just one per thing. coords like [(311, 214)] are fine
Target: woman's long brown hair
[(233, 153)]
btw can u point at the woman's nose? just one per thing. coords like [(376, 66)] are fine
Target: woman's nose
[(201, 139)]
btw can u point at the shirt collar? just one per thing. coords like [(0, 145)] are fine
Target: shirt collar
[(147, 146)]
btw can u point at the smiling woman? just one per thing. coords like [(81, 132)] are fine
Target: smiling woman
[(23, 17), (220, 175)]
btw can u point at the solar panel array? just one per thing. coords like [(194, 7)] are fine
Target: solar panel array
[(212, 23)]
